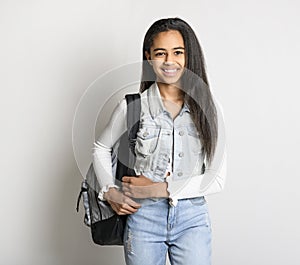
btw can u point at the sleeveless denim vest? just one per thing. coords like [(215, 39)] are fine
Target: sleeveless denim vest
[(160, 136)]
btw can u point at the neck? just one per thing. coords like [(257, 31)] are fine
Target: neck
[(172, 98), (170, 92)]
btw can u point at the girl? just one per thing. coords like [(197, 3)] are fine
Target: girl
[(180, 153)]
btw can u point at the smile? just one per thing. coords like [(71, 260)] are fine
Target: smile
[(170, 72)]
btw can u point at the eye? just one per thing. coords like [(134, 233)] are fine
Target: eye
[(178, 52), (160, 54)]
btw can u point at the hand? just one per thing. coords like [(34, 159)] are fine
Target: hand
[(121, 203), (142, 187)]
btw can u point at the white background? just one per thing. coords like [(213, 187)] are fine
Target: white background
[(51, 51)]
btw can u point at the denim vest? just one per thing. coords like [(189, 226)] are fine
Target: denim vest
[(160, 136)]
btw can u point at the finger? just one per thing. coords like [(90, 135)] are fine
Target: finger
[(134, 195), (132, 203), (126, 186), (121, 209), (126, 207), (116, 209), (126, 179), (129, 194)]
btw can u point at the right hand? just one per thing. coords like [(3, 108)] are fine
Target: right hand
[(121, 203)]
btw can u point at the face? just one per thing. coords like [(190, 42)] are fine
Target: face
[(167, 56)]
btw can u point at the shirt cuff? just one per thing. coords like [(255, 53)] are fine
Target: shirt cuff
[(105, 189)]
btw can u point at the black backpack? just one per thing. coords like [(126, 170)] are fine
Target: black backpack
[(107, 228)]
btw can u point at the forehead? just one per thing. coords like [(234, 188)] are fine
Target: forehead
[(168, 39)]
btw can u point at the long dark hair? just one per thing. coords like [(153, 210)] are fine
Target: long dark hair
[(194, 81)]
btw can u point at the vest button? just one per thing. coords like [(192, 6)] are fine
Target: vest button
[(180, 154), (181, 133), (145, 134), (179, 174)]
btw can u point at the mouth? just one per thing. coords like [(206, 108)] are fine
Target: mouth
[(170, 72)]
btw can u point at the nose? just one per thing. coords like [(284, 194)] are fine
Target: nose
[(169, 59)]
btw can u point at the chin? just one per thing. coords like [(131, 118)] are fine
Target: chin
[(169, 81)]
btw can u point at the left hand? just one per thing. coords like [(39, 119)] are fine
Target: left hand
[(138, 187)]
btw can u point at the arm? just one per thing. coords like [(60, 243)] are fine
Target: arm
[(212, 181), (143, 187), (102, 149), (102, 152)]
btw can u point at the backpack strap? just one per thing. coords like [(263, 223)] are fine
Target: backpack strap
[(126, 153), (133, 118), (133, 122)]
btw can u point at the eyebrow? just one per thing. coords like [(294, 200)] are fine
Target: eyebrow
[(176, 48)]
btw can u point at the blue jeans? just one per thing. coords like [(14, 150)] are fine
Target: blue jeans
[(157, 227)]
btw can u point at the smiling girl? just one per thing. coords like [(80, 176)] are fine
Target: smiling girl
[(179, 155)]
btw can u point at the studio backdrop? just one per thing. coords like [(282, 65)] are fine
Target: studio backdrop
[(54, 56)]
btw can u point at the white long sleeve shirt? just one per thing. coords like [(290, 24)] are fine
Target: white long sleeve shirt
[(212, 181)]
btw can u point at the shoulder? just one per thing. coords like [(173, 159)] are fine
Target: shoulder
[(121, 106)]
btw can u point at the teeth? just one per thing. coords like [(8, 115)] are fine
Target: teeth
[(170, 71)]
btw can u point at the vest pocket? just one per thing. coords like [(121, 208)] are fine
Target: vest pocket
[(147, 140)]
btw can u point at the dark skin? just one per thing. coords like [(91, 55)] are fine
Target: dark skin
[(142, 187), (134, 187), (168, 59)]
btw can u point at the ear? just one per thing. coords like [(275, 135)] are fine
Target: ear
[(148, 56)]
